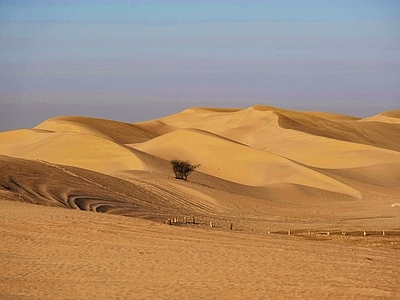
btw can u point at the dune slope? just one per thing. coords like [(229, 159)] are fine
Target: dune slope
[(122, 133), (69, 187), (69, 148), (235, 162)]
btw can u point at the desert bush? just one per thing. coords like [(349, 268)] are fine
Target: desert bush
[(182, 168)]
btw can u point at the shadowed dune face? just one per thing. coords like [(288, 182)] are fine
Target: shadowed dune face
[(69, 187), (123, 133), (338, 127)]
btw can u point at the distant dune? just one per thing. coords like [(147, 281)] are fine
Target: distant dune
[(262, 170), (392, 116)]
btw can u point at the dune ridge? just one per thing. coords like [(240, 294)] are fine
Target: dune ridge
[(391, 117), (120, 132)]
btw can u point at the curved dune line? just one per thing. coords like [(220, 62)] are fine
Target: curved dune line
[(391, 117), (119, 132), (173, 196), (46, 184), (98, 203), (325, 152), (34, 189)]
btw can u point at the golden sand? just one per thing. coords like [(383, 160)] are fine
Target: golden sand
[(329, 180)]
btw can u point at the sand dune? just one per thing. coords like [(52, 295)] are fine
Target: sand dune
[(264, 169), (235, 162), (123, 133), (332, 126), (70, 187), (258, 146), (392, 116), (75, 149), (260, 127), (327, 153)]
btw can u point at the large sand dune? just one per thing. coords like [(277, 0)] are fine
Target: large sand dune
[(264, 169)]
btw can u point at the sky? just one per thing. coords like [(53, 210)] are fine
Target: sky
[(139, 60)]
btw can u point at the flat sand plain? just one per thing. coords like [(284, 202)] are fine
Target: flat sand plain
[(53, 253), (84, 203)]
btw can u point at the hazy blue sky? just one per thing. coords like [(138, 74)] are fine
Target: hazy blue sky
[(133, 62)]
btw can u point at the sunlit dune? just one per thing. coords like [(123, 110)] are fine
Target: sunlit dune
[(236, 162), (69, 148), (279, 196), (392, 116), (327, 153), (256, 124)]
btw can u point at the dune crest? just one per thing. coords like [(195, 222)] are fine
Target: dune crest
[(391, 117), (120, 132)]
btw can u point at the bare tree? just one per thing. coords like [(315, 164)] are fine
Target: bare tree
[(182, 168)]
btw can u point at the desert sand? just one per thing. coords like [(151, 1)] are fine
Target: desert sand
[(302, 204)]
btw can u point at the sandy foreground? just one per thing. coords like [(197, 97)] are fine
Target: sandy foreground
[(84, 204), (54, 253)]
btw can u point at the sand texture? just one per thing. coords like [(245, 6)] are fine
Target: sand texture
[(284, 204)]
